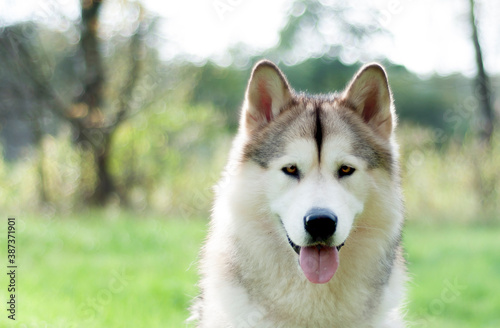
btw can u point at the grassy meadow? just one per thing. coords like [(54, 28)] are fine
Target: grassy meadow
[(102, 270), (113, 269)]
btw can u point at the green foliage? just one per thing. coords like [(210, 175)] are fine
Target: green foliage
[(168, 158), (428, 101), (320, 75), (456, 181), (165, 158), (223, 87)]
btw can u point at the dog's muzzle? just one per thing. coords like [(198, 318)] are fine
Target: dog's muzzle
[(320, 225)]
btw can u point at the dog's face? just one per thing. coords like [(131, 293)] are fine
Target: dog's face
[(332, 186), (318, 155)]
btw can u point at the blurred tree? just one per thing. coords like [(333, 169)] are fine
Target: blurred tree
[(223, 87), (327, 28), (22, 90), (94, 84), (87, 109), (483, 85), (486, 183)]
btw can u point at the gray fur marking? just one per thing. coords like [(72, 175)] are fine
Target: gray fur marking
[(296, 120)]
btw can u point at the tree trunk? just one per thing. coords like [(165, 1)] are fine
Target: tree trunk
[(483, 86), (105, 186), (92, 132)]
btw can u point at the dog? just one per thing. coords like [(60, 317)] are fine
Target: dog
[(306, 224)]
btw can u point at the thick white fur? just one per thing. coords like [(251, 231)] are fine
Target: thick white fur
[(243, 215), (251, 277)]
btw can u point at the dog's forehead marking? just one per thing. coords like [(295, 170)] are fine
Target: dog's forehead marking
[(317, 119), (318, 133), (302, 120)]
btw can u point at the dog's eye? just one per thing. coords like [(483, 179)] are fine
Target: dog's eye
[(291, 170), (345, 170)]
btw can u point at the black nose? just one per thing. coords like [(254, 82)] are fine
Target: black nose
[(320, 223)]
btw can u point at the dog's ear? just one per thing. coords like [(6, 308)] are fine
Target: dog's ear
[(371, 97), (267, 93)]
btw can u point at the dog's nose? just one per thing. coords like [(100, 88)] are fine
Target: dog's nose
[(320, 223)]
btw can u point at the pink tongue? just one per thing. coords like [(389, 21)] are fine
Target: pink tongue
[(319, 263)]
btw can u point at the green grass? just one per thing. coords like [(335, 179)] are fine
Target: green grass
[(455, 272), (102, 270), (92, 271)]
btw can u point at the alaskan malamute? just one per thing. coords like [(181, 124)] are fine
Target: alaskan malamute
[(306, 226)]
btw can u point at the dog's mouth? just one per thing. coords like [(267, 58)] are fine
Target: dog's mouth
[(318, 262), (297, 248)]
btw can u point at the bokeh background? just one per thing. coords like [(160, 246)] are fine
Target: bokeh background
[(116, 117)]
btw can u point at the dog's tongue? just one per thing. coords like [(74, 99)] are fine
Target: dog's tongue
[(319, 263)]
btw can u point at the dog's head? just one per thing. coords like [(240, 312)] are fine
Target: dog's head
[(317, 156)]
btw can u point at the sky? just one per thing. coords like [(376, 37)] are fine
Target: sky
[(427, 36)]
